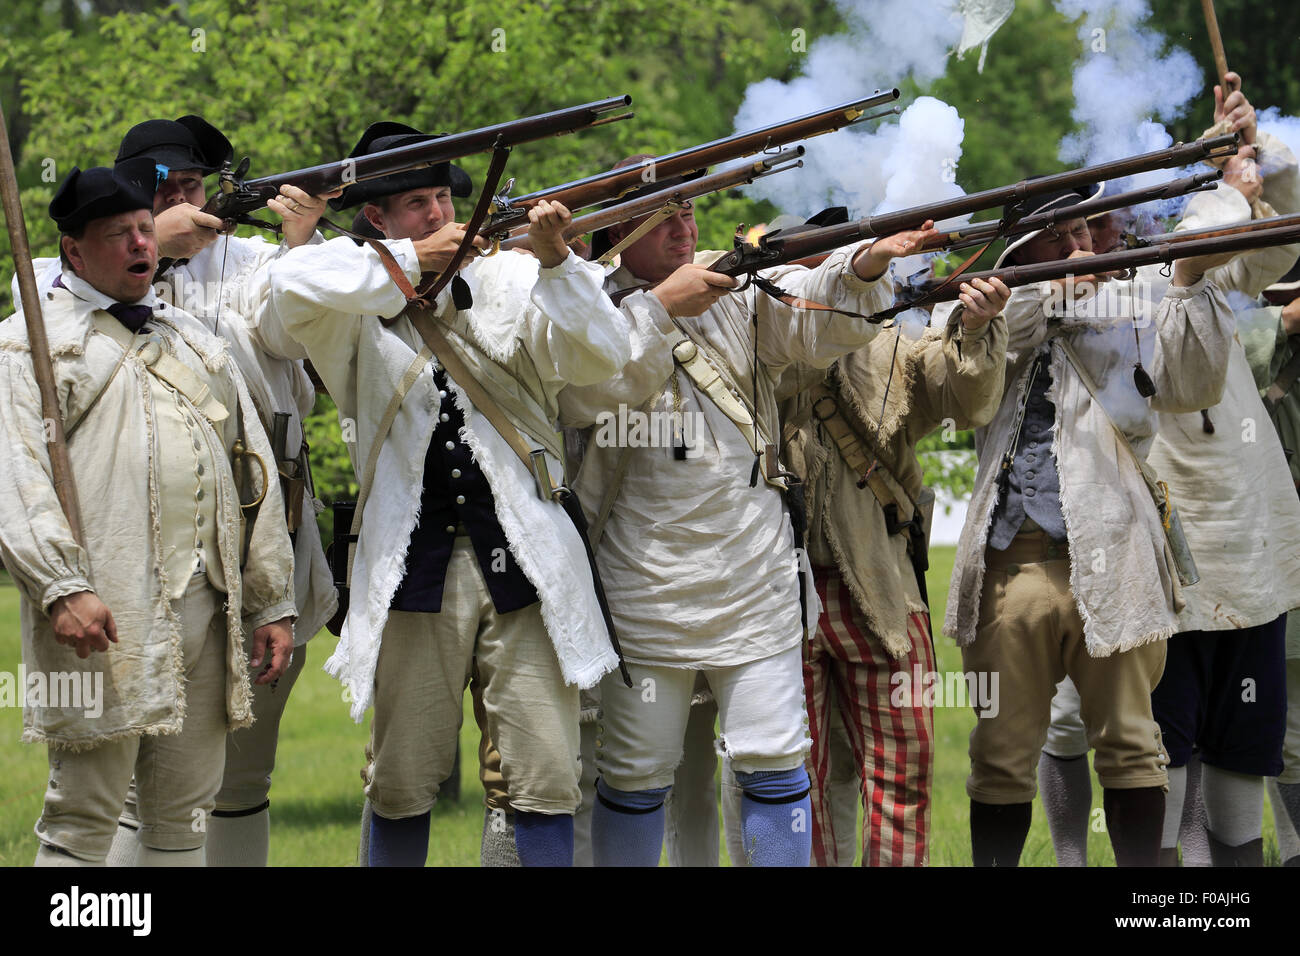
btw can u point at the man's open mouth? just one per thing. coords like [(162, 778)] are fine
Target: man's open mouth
[(140, 269)]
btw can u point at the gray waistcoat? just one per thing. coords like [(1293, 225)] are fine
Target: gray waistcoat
[(1033, 487)]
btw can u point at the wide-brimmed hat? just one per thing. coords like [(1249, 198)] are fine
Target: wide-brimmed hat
[(388, 135), (190, 142), (87, 194), (1060, 199)]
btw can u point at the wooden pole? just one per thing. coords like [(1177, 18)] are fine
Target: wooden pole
[(1216, 44), (64, 485)]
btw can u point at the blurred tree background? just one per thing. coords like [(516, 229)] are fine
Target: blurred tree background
[(294, 82)]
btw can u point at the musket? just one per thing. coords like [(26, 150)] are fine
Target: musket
[(602, 187), (1213, 232), (1162, 249), (979, 233), (65, 487), (237, 196), (691, 189), (784, 246)]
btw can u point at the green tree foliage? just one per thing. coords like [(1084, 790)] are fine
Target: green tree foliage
[(293, 83), (1259, 41)]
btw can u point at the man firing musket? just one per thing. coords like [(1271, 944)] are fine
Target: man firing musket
[(1066, 515), (1234, 493), (850, 433), (467, 554), (691, 526)]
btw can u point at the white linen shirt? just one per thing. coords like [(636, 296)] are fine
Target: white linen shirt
[(1233, 487), (700, 568)]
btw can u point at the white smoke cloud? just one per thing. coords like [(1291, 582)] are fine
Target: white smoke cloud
[(868, 171), (1124, 86), (1126, 83)]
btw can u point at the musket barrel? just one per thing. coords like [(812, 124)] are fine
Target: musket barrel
[(318, 179), (986, 231), (1181, 154), (614, 183), (635, 208), (802, 245), (1192, 235), (1167, 250)]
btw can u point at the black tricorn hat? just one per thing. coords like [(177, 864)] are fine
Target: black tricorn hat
[(100, 191), (190, 142), (388, 135), (600, 241)]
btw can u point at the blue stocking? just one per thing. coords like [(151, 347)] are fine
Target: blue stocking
[(544, 839), (776, 817), (627, 827)]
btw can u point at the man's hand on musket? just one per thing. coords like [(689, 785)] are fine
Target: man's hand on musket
[(184, 230), (546, 224), (1236, 109), (983, 300), (299, 212), (872, 261), (277, 639), (436, 251), (691, 290), (84, 622), (1084, 286)]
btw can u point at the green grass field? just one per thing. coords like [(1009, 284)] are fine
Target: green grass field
[(316, 799)]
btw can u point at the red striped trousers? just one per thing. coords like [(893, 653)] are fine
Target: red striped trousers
[(848, 668)]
